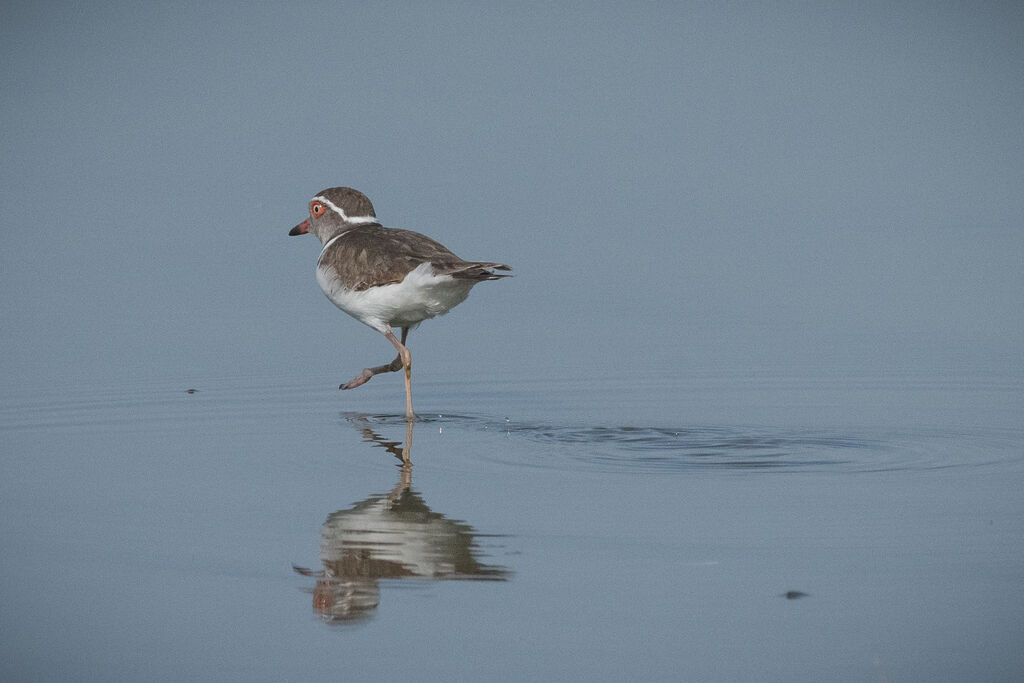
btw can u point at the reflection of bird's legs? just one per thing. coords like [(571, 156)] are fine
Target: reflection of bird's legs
[(404, 454), (405, 480), (367, 373), (403, 485), (407, 451)]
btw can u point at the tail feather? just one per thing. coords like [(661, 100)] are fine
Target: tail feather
[(479, 271)]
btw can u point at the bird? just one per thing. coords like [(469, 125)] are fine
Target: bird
[(386, 278)]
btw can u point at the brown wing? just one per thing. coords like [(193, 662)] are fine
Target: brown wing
[(474, 270), (371, 255)]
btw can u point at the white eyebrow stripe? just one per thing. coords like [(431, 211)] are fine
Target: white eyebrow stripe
[(341, 212)]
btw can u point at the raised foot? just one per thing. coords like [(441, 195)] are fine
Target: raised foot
[(359, 380)]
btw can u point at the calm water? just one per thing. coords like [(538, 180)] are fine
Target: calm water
[(699, 527), (683, 187)]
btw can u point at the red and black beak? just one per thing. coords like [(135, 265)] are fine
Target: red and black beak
[(300, 229)]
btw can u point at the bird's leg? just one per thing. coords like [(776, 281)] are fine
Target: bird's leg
[(406, 358), (364, 376)]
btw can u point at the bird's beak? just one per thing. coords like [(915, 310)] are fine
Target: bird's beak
[(300, 229)]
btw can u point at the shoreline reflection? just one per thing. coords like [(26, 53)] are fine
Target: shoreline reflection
[(393, 535)]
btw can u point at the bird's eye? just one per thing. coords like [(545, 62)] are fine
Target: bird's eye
[(316, 209)]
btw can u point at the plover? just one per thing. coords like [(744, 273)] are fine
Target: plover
[(383, 277)]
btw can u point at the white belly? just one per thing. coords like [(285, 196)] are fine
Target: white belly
[(421, 295)]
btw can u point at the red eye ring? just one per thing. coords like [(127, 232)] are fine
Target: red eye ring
[(317, 209)]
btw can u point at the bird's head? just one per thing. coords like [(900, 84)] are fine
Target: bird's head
[(334, 211)]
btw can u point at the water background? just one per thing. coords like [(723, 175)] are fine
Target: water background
[(622, 527), (750, 409)]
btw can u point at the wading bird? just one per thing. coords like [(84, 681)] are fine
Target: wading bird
[(383, 277)]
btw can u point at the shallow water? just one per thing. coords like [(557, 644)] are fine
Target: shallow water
[(703, 526)]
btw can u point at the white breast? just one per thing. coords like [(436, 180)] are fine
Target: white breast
[(421, 295)]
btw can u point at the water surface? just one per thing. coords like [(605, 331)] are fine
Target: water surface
[(704, 526)]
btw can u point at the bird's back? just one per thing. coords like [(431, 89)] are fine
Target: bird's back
[(372, 256)]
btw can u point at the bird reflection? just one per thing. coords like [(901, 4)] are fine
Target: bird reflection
[(392, 535)]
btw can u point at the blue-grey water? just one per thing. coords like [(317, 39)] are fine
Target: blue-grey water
[(690, 527), (750, 409)]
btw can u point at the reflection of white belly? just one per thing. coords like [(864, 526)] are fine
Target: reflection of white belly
[(421, 295), (422, 548)]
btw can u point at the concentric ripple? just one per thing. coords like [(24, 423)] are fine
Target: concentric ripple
[(686, 449)]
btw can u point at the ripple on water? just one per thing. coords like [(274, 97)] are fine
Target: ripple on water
[(687, 449), (611, 448)]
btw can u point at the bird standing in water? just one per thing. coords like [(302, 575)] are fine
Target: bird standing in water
[(383, 277)]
